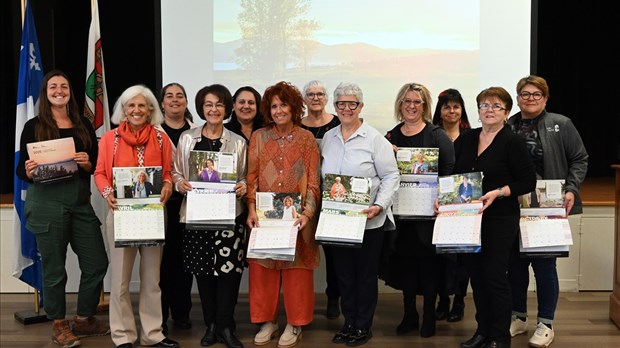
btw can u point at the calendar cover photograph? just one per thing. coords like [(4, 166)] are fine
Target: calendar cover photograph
[(276, 236), (417, 160), (54, 158), (457, 226), (212, 166), (278, 206), (548, 194), (544, 227), (137, 182), (341, 221), (346, 189), (139, 215), (212, 202), (460, 188)]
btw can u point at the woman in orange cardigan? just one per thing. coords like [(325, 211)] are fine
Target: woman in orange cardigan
[(135, 143)]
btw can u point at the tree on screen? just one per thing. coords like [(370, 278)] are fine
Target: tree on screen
[(275, 34)]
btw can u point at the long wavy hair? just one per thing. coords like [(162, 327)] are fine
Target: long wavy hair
[(47, 129)]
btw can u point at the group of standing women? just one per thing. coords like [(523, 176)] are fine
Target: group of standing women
[(279, 150)]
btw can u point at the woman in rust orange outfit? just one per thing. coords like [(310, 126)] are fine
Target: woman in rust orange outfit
[(283, 157)]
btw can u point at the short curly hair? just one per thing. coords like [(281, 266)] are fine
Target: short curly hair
[(288, 94)]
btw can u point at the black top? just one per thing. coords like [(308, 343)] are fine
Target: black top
[(234, 126), (28, 136), (319, 132), (430, 136), (173, 133), (504, 162)]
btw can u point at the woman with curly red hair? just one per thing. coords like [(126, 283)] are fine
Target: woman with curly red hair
[(283, 157)]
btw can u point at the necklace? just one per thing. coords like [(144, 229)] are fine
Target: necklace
[(214, 144)]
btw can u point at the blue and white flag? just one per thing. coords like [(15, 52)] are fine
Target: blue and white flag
[(27, 262)]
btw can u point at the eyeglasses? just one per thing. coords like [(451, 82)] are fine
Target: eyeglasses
[(341, 105), (312, 95), (494, 107), (210, 106), (410, 102), (527, 95)]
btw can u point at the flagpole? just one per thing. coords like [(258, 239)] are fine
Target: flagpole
[(27, 317), (103, 304)]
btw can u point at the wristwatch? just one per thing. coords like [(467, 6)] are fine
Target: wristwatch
[(501, 192)]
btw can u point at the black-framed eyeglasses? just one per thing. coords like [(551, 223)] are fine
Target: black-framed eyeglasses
[(411, 102), (319, 95), (494, 107), (341, 105), (528, 95)]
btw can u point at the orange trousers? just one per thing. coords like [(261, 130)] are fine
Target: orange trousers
[(297, 286)]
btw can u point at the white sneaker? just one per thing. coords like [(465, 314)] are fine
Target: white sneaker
[(542, 337), (517, 326), (267, 331), (290, 336)]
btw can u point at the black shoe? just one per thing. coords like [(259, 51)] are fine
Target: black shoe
[(125, 345), (495, 344), (359, 337), (443, 307), (409, 324), (342, 336), (209, 338), (227, 336), (183, 324), (456, 314), (428, 328), (166, 342), (333, 307), (478, 341)]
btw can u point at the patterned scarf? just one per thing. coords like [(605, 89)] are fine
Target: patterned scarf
[(144, 145)]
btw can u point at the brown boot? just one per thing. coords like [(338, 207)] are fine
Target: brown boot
[(62, 335), (90, 326)]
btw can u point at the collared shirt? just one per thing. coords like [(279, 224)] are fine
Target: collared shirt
[(365, 154)]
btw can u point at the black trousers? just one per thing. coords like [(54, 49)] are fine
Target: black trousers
[(175, 284), (356, 270), (489, 276), (330, 272), (218, 297)]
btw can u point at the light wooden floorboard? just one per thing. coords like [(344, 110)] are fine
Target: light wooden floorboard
[(582, 320)]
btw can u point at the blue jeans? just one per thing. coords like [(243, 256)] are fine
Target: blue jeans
[(547, 286)]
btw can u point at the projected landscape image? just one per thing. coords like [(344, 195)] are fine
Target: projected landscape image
[(260, 42)]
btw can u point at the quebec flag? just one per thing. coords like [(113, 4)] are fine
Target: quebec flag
[(27, 262)]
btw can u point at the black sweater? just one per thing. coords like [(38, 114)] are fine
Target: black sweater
[(504, 162)]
